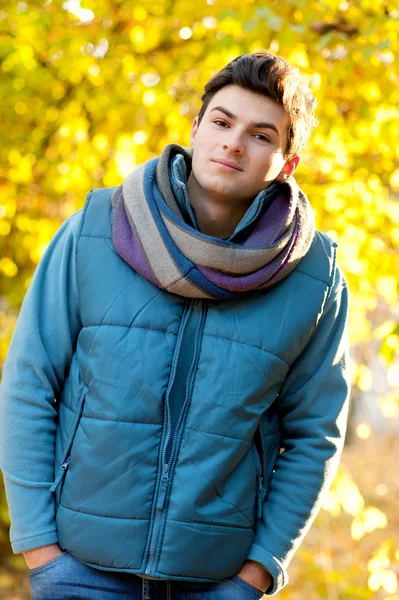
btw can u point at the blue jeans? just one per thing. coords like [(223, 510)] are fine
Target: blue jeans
[(67, 578)]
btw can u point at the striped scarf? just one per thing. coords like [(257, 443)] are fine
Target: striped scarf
[(150, 234)]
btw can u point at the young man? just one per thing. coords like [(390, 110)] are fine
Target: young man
[(190, 325)]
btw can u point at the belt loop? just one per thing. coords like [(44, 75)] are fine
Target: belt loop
[(146, 589)]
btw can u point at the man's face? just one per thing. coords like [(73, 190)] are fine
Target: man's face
[(238, 148)]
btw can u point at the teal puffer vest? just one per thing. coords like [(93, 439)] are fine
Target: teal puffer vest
[(172, 416)]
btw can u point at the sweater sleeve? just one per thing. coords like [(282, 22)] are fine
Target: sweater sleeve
[(35, 369), (312, 408)]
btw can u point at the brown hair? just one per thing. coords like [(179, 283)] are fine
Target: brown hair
[(272, 76)]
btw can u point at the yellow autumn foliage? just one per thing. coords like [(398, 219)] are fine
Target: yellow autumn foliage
[(89, 90)]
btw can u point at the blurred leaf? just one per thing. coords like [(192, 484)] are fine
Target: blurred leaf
[(86, 98)]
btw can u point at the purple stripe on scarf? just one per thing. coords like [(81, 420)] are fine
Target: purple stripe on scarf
[(127, 242), (272, 225), (273, 271)]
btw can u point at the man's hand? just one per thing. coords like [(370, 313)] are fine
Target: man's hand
[(40, 556), (253, 573)]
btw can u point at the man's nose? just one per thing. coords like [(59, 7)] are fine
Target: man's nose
[(234, 143)]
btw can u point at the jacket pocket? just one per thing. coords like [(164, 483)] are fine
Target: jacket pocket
[(260, 488), (271, 451), (59, 478)]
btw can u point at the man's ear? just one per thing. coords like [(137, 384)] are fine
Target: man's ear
[(288, 169), (194, 129)]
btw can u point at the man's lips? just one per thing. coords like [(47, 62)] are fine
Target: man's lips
[(227, 163)]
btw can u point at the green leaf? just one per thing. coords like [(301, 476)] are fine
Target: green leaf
[(270, 18), (249, 25), (324, 41)]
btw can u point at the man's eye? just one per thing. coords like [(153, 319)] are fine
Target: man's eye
[(261, 137), (221, 123)]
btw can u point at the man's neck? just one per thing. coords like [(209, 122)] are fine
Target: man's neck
[(215, 217)]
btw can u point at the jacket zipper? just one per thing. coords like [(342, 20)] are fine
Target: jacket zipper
[(66, 458), (266, 202), (260, 490), (163, 487), (244, 226)]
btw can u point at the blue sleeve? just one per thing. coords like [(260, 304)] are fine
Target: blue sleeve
[(312, 408), (35, 369)]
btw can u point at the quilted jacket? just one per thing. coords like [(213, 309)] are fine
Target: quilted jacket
[(189, 435)]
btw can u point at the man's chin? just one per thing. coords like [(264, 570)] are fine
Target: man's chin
[(224, 189), (229, 193)]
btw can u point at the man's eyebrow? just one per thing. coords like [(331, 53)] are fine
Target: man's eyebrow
[(260, 125)]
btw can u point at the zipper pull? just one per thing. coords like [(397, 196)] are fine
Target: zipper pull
[(164, 486), (60, 475), (261, 497)]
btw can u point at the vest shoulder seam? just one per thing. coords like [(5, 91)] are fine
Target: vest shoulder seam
[(82, 220), (91, 235), (326, 283)]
